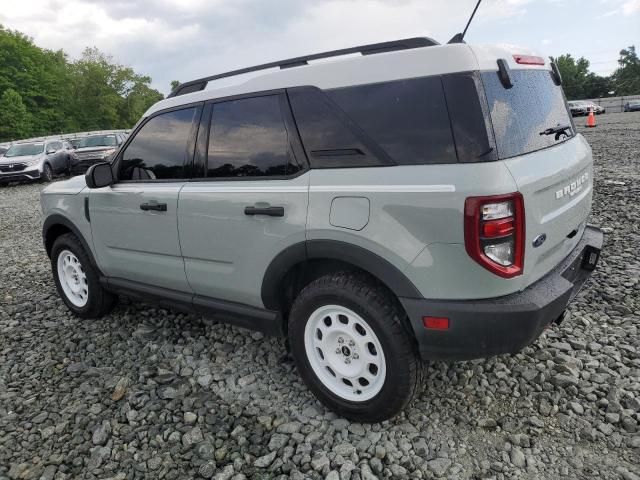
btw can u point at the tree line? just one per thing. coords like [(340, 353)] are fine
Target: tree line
[(43, 92), (579, 83)]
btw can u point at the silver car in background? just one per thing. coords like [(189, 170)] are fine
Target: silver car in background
[(35, 161)]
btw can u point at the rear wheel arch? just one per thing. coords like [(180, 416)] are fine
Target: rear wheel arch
[(304, 262)]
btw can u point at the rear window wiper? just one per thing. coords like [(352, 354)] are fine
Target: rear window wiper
[(559, 130)]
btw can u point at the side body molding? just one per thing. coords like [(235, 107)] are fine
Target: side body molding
[(357, 256)]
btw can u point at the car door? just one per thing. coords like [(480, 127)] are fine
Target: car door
[(51, 153), (133, 221), (249, 200)]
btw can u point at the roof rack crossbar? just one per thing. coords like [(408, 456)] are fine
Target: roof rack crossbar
[(371, 49)]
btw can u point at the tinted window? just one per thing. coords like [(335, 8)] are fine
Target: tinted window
[(469, 117), (248, 138), (330, 138), (159, 149), (520, 113), (407, 118)]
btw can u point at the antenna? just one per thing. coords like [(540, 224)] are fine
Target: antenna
[(459, 37)]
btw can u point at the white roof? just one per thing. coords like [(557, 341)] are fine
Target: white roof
[(357, 70)]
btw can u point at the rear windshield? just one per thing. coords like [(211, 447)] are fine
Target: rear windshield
[(518, 114)]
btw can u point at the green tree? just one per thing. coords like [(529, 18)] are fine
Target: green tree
[(108, 95), (14, 117), (61, 96), (626, 79), (174, 84), (578, 82)]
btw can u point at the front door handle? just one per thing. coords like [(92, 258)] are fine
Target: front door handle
[(271, 211), (158, 207)]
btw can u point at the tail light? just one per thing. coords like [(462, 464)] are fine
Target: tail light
[(494, 232)]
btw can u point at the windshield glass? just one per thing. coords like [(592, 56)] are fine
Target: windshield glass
[(519, 114), (25, 149), (98, 141)]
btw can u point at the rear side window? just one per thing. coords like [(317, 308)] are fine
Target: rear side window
[(159, 149), (248, 138), (469, 117), (518, 114), (408, 119), (330, 137)]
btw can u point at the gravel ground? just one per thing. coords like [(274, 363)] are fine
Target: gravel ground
[(148, 393)]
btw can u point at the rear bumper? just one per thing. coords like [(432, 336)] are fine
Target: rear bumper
[(6, 177), (481, 328)]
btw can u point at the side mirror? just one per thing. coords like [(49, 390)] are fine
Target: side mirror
[(75, 147), (99, 175), (50, 151)]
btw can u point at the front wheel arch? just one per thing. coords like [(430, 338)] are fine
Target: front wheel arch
[(56, 225)]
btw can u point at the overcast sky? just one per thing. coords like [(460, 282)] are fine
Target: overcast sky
[(185, 39)]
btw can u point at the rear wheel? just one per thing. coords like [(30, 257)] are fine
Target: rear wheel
[(77, 280), (351, 348)]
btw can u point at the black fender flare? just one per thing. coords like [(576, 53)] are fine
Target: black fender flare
[(57, 219), (345, 252)]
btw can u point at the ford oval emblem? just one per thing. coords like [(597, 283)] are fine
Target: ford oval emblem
[(539, 240)]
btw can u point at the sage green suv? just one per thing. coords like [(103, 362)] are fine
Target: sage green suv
[(409, 201)]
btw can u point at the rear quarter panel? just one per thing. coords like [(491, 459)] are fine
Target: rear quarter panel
[(415, 221)]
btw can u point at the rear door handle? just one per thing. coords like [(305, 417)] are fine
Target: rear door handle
[(271, 211), (158, 207)]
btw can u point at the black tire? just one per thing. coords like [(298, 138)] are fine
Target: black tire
[(99, 302), (47, 173), (372, 301)]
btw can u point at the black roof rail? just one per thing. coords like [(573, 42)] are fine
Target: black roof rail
[(371, 49)]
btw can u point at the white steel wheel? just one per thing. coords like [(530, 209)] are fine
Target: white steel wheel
[(345, 353), (73, 279)]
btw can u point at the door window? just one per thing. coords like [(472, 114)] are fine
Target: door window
[(248, 138), (160, 148)]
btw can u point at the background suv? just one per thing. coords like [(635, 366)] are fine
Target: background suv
[(94, 148), (414, 202), (35, 161)]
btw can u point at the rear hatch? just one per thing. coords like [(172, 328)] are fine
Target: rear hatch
[(553, 171)]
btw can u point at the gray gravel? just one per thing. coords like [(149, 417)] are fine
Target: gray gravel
[(147, 393)]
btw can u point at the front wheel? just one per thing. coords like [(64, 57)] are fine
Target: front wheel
[(47, 173), (348, 340), (77, 280)]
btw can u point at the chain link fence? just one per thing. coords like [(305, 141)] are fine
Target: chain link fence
[(614, 104)]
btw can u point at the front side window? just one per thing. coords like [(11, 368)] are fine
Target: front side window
[(159, 149), (248, 138)]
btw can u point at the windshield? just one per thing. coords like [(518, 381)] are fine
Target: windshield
[(521, 114), (98, 141), (25, 149)]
